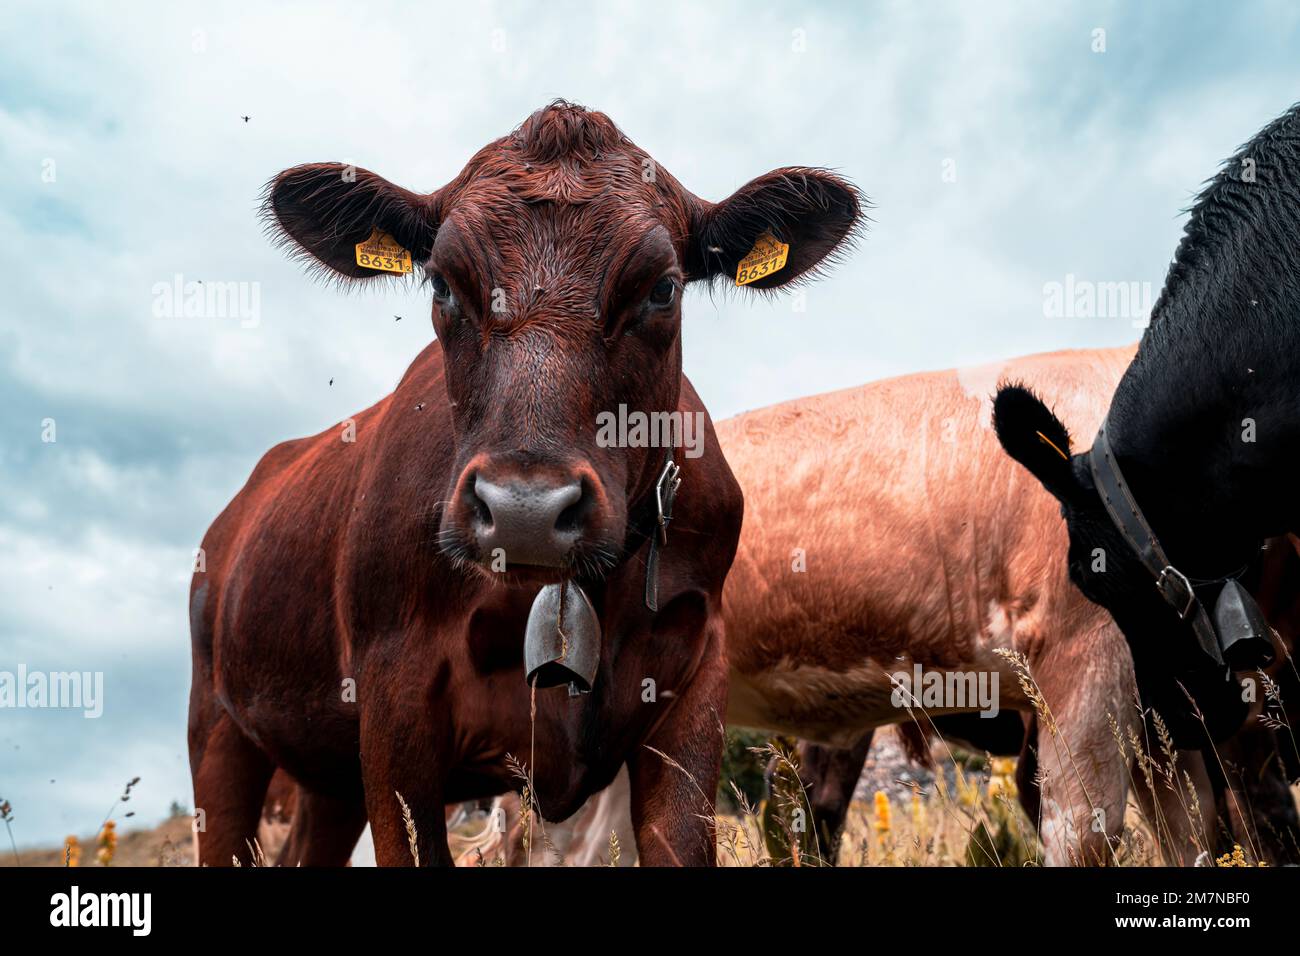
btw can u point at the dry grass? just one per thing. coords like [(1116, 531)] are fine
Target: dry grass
[(934, 828), (974, 821), (977, 822)]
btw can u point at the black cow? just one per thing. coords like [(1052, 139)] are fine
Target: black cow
[(1204, 429)]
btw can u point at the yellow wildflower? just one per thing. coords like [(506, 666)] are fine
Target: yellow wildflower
[(1003, 779), (107, 844), (1236, 858), (883, 821)]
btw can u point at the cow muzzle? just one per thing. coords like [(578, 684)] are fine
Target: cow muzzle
[(562, 639), (529, 523), (516, 516)]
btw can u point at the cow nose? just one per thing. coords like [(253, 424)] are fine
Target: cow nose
[(530, 523)]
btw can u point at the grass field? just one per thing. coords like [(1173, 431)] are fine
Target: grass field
[(967, 814)]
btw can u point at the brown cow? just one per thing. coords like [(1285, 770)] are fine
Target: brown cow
[(361, 618)]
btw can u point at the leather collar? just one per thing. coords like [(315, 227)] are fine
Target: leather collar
[(1123, 509)]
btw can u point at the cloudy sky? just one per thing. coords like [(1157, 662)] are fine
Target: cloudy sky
[(1002, 148)]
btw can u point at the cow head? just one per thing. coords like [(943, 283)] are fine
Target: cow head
[(1104, 566), (556, 262)]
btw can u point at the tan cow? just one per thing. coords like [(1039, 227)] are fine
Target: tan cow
[(885, 527)]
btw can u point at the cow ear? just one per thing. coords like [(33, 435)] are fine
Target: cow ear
[(325, 209), (1035, 437), (816, 213)]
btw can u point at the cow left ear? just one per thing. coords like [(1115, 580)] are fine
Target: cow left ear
[(815, 212)]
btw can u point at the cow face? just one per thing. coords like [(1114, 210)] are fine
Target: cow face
[(556, 262), (1104, 566)]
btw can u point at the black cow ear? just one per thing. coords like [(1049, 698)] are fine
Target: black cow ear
[(326, 209), (1035, 437), (816, 213)]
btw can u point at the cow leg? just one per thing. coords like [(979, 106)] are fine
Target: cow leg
[(829, 776), (231, 774), (674, 789), (1083, 782), (1081, 798), (324, 831), (277, 813), (1031, 799), (388, 826), (402, 761), (1172, 813)]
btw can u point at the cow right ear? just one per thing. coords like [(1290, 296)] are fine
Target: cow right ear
[(1035, 437), (326, 209)]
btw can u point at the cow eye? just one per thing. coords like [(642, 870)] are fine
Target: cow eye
[(440, 288), (663, 292)]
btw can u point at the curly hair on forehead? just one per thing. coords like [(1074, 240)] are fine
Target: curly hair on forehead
[(561, 129), (562, 153)]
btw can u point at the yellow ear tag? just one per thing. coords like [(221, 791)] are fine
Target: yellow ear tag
[(383, 253), (767, 256)]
